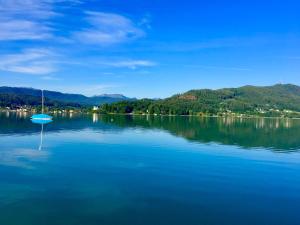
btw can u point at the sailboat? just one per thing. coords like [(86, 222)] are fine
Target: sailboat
[(40, 118)]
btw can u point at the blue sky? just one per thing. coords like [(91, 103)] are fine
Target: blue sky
[(148, 48)]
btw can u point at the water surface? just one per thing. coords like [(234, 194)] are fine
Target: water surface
[(124, 170)]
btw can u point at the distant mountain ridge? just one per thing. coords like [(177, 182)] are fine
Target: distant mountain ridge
[(63, 97), (276, 100)]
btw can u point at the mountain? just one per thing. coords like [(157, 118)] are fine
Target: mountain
[(267, 100), (24, 93), (16, 100), (276, 100), (107, 98)]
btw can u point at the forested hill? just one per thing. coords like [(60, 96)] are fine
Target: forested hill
[(29, 94), (14, 101), (248, 99)]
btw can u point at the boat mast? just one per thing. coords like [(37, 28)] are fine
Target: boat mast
[(42, 101)]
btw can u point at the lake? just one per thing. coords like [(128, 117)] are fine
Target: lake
[(145, 170)]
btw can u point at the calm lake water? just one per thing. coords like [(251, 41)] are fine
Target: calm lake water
[(122, 170)]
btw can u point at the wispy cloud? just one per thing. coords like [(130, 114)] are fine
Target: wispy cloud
[(30, 61), (41, 9), (128, 63), (28, 19), (50, 78), (27, 8), (108, 29), (23, 30), (24, 20), (36, 21)]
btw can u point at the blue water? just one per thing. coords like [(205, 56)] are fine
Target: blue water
[(114, 170)]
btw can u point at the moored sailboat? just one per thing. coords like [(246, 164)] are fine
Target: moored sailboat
[(42, 116)]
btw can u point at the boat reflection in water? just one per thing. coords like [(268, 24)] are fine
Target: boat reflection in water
[(42, 123)]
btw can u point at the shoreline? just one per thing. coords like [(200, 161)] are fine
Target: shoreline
[(233, 116), (156, 115)]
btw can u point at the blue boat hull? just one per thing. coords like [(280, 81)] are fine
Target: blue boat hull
[(44, 117)]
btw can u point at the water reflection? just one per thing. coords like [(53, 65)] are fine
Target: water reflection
[(260, 123), (42, 123), (109, 169), (95, 117), (276, 134), (22, 157)]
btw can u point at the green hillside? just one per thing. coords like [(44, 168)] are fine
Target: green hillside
[(269, 100), (16, 100)]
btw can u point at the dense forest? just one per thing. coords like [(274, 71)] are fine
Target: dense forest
[(270, 100), (16, 100)]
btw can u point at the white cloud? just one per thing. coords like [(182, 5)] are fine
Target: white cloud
[(50, 78), (27, 19), (23, 19), (133, 64), (108, 29), (30, 61), (129, 63), (23, 30), (32, 20), (41, 9), (30, 8)]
